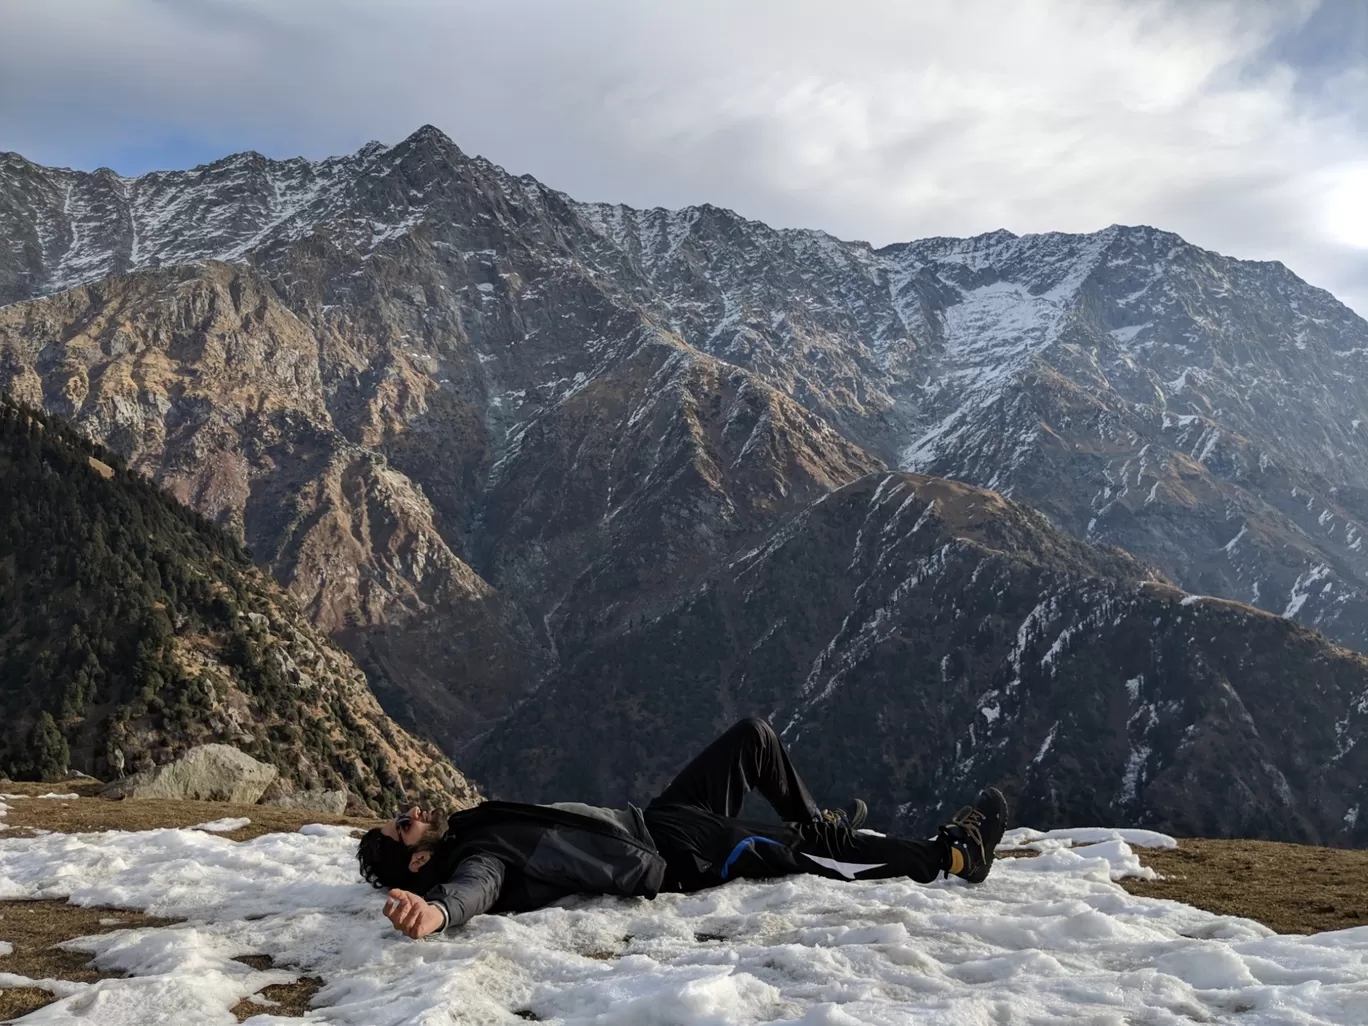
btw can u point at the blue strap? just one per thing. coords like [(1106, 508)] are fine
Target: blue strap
[(736, 852)]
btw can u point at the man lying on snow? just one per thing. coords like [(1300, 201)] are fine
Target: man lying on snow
[(507, 857)]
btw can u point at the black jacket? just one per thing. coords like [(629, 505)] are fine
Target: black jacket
[(509, 857)]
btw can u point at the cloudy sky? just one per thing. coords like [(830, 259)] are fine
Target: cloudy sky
[(1241, 125)]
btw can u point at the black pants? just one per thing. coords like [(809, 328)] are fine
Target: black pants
[(695, 828)]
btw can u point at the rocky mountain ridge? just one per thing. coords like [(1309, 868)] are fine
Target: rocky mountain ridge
[(1140, 390), (481, 431)]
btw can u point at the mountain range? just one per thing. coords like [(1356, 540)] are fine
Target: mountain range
[(578, 483)]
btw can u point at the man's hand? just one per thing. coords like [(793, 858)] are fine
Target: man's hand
[(411, 915)]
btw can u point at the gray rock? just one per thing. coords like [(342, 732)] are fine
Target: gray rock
[(218, 773), (278, 787), (333, 803)]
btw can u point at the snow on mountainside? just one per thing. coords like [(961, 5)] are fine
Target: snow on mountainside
[(1141, 391), (67, 228), (1051, 938), (962, 318), (62, 228)]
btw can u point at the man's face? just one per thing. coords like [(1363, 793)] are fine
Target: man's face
[(410, 826)]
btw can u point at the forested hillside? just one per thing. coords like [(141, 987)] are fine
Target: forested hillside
[(132, 629)]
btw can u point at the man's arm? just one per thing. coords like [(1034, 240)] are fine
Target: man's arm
[(472, 889), (411, 915)]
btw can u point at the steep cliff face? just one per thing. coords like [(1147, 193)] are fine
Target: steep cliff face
[(916, 639), (644, 478), (483, 433), (131, 630)]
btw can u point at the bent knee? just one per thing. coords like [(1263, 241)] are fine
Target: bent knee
[(756, 725)]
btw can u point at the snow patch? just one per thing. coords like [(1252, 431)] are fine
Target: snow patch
[(1132, 775), (1125, 334), (1046, 744), (1050, 938), (1107, 851), (1230, 545), (1301, 588), (223, 826), (1025, 837)]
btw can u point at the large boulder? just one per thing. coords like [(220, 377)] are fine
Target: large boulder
[(215, 773), (334, 803)]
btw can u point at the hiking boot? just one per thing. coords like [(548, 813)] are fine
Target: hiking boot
[(974, 833), (852, 817)]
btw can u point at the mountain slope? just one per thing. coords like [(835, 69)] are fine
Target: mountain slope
[(303, 397), (131, 630), (917, 639), (1140, 390)]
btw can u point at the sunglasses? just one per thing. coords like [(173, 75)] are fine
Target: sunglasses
[(403, 821)]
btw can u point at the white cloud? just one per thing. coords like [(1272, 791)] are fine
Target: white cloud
[(1345, 205), (884, 121)]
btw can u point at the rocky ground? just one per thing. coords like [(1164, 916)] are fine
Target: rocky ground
[(1289, 888)]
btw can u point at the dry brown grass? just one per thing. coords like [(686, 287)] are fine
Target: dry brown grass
[(34, 928), (17, 1001), (285, 998), (1291, 888), (91, 814)]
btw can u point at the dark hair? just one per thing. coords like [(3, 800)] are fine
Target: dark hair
[(384, 861)]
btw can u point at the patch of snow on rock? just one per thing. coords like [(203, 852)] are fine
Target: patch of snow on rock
[(1023, 837), (223, 826)]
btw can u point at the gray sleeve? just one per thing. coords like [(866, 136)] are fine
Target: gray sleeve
[(472, 889)]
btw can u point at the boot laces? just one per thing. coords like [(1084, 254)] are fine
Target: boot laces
[(970, 820)]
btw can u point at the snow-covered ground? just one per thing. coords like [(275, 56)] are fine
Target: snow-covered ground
[(1051, 939)]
